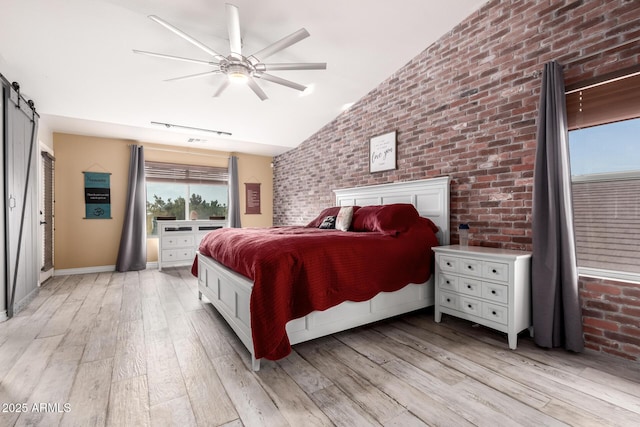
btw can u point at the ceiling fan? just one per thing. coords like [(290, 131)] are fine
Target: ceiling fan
[(236, 66)]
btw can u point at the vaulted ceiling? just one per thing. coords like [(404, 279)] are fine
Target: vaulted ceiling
[(74, 59)]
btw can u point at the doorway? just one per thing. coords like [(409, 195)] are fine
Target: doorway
[(46, 211)]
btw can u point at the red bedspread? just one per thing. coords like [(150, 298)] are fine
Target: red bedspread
[(297, 270)]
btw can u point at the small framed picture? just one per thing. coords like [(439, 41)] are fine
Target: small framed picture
[(382, 152)]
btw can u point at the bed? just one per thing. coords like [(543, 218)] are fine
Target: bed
[(231, 292)]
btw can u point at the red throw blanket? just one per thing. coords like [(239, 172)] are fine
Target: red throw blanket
[(297, 270)]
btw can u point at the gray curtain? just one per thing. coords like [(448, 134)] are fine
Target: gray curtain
[(132, 255), (557, 317), (234, 193)]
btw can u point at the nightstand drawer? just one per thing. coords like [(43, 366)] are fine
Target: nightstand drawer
[(495, 313), (495, 271), (470, 306), (448, 264), (449, 300), (448, 282), (469, 286), (471, 267), (495, 292)]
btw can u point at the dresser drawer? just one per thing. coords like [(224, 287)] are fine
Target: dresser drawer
[(448, 263), (471, 267), (495, 292), (495, 271), (495, 313), (183, 254), (449, 300), (177, 241), (448, 282), (469, 286), (470, 306)]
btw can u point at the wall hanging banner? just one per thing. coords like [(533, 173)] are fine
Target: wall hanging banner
[(97, 195), (253, 198)]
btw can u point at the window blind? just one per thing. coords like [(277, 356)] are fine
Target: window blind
[(604, 102), (188, 174), (47, 212)]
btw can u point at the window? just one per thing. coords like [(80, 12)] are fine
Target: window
[(604, 124), (184, 192)]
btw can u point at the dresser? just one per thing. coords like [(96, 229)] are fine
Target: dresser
[(178, 241), (488, 286)]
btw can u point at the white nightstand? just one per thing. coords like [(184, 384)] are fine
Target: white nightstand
[(488, 286)]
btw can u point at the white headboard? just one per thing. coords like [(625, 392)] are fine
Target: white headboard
[(429, 196)]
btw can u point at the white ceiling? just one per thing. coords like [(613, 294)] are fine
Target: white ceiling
[(74, 59)]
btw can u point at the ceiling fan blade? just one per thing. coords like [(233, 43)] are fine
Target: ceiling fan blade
[(193, 76), (257, 89), (221, 89), (281, 81), (233, 27), (187, 37), (282, 44), (176, 58), (295, 66)]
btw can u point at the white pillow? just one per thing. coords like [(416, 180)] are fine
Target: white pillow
[(343, 220)]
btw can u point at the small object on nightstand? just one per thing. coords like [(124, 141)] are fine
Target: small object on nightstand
[(463, 231)]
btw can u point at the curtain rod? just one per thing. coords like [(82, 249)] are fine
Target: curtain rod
[(168, 150)]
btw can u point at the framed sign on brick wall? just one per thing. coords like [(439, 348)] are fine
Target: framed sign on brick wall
[(382, 152)]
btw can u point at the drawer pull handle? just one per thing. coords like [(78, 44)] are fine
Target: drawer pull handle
[(494, 271), (448, 300), (448, 282), (448, 264), (493, 292), (469, 305), (468, 286), (494, 313)]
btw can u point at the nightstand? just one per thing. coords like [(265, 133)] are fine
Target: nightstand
[(488, 286)]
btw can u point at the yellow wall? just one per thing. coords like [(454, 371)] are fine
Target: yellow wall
[(81, 243)]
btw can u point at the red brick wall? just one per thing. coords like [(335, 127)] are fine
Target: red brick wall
[(467, 107)]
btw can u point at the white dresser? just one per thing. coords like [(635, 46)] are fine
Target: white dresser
[(488, 286), (178, 241)]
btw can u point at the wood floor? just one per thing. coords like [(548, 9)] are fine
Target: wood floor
[(139, 349)]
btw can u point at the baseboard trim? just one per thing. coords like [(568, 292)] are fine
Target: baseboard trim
[(99, 269), (84, 270)]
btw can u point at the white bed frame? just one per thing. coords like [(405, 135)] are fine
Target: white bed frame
[(230, 292)]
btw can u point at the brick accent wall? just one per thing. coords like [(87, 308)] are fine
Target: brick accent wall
[(467, 107)]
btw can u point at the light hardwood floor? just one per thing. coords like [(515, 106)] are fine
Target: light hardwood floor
[(138, 349)]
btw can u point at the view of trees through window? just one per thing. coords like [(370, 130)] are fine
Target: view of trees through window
[(184, 201)]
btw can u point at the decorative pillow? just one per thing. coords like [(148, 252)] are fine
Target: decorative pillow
[(328, 223), (332, 211), (389, 219), (343, 220)]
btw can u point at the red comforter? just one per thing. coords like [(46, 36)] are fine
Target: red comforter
[(297, 270)]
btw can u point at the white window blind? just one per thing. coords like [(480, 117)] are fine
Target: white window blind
[(188, 174)]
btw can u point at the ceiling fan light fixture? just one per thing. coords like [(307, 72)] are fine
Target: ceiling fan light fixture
[(237, 73)]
